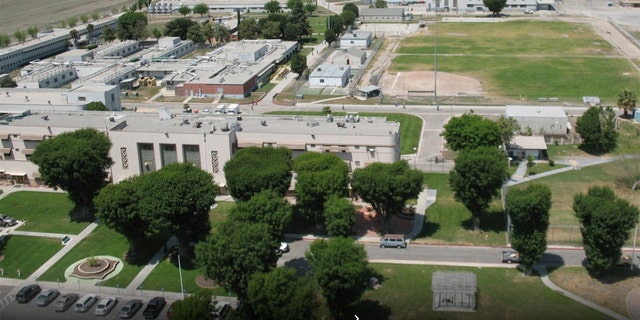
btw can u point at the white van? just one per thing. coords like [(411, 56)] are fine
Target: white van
[(233, 109), (84, 304), (221, 109)]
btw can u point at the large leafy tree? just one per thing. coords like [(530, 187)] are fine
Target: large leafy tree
[(298, 63), (605, 224), (248, 29), (132, 26), (221, 33), (195, 306), (627, 101), (351, 7), (177, 200), (340, 267), (380, 4), (529, 212), (5, 40), (339, 216), (179, 27), (272, 6), (267, 207), (319, 175), (281, 295), (509, 127), (298, 17), (255, 169), (330, 36), (597, 127), (230, 257), (270, 29), (476, 179), (335, 23), (117, 208), (96, 106), (184, 10), (348, 17), (201, 9), (470, 131), (495, 6), (75, 162), (387, 186)]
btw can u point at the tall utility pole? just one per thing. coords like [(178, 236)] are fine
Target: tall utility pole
[(435, 61)]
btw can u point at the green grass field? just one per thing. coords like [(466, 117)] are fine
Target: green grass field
[(524, 59), (26, 254), (43, 211)]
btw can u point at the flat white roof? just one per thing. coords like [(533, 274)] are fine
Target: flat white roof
[(528, 143), (329, 71), (535, 111)]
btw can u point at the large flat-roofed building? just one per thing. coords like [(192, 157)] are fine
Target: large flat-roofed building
[(330, 75), (381, 14), (540, 120), (356, 39), (147, 142), (18, 100), (47, 75)]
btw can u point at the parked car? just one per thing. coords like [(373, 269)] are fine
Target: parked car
[(46, 297), (105, 306), (170, 310), (130, 308), (528, 11), (27, 293), (7, 221), (85, 302), (154, 307), (284, 247), (510, 256), (393, 241), (220, 310), (65, 301), (625, 261)]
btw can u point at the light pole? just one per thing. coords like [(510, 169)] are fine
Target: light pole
[(415, 150), (435, 61), (181, 283)]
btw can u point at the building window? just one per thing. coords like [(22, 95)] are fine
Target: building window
[(147, 157), (191, 153), (82, 98), (357, 147), (321, 80), (168, 154), (124, 158), (357, 163), (215, 164)]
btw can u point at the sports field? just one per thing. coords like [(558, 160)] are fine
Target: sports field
[(519, 60), (21, 14)]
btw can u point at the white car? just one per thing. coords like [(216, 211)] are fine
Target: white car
[(284, 247), (105, 306), (528, 11)]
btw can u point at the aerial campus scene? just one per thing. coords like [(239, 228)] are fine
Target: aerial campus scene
[(314, 159)]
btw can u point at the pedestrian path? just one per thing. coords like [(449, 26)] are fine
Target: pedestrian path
[(148, 268), (39, 234)]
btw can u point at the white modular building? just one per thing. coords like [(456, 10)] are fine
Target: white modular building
[(330, 75)]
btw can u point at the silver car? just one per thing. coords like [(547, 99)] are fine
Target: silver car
[(46, 297), (105, 306), (7, 221)]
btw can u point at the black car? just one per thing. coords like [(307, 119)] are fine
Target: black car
[(154, 307), (27, 293)]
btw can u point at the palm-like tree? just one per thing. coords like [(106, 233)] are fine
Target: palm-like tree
[(74, 36), (90, 31), (221, 33), (627, 100)]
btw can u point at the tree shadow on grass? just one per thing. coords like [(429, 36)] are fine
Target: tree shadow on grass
[(148, 247), (368, 309), (490, 221), (552, 261), (429, 229), (81, 214), (615, 274), (301, 265)]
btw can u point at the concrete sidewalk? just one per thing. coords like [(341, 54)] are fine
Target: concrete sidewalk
[(155, 260)]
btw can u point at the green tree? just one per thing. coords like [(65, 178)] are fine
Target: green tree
[(90, 28), (76, 162), (184, 10), (221, 33), (597, 127), (529, 212), (96, 106), (348, 17), (471, 131), (266, 207), (117, 208), (509, 127), (177, 200), (196, 34), (201, 9), (132, 26), (292, 32), (339, 216), (253, 169), (330, 36), (627, 101), (157, 33), (95, 16), (495, 6), (179, 27), (108, 34), (605, 224), (84, 18), (298, 63), (476, 179), (207, 33), (195, 306), (7, 82), (231, 256), (298, 19), (319, 175), (248, 29), (281, 295), (20, 35), (270, 30), (336, 24), (380, 4), (74, 35), (272, 6), (309, 8), (33, 32), (5, 40), (387, 186), (351, 7), (340, 267), (72, 22)]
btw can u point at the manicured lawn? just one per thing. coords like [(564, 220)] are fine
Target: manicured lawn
[(502, 294), (26, 253), (219, 214), (410, 125), (539, 168), (318, 24), (628, 143), (104, 241), (43, 211)]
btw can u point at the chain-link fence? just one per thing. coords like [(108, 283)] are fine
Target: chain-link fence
[(571, 235)]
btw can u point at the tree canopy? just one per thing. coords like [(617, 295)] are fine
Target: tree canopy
[(339, 216), (495, 6), (266, 207), (272, 6), (75, 162), (179, 27), (627, 101), (477, 177), (350, 6), (340, 268), (529, 212), (132, 26), (184, 10), (380, 4), (298, 63), (253, 169), (597, 127), (509, 127), (387, 186), (195, 306), (605, 225), (201, 9), (281, 295), (248, 29), (96, 106), (471, 131)]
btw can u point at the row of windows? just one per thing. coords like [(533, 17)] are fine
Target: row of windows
[(168, 155)]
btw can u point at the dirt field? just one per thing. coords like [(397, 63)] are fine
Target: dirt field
[(417, 82), (21, 14)]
